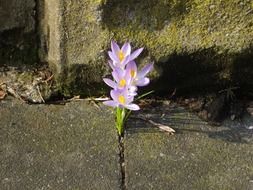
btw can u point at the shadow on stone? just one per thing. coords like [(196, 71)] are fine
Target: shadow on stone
[(232, 135), (198, 154), (18, 48), (205, 71), (185, 122), (77, 77), (198, 71), (242, 71)]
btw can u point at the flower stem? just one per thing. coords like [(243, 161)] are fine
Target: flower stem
[(120, 116), (143, 95)]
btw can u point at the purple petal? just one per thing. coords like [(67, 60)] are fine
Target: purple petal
[(110, 103), (115, 94), (125, 61), (131, 66), (115, 47), (145, 70), (126, 48), (132, 89), (128, 77), (129, 96), (110, 83), (111, 64), (132, 93), (135, 54), (115, 75), (143, 82), (113, 57), (118, 74), (132, 107)]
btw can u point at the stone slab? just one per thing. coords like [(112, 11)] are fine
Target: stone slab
[(18, 39), (194, 44), (198, 156), (73, 146), (17, 14)]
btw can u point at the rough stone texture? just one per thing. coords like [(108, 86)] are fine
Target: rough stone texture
[(17, 14), (49, 14), (167, 27), (17, 32), (85, 43), (72, 146), (195, 43), (197, 157), (68, 32)]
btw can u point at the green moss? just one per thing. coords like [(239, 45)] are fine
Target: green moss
[(197, 29), (85, 37), (86, 83), (26, 77), (176, 26)]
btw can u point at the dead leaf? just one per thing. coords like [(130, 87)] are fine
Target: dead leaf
[(2, 94), (75, 98), (162, 127)]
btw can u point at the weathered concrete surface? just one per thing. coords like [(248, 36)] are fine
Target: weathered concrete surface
[(57, 147), (198, 156), (205, 41), (17, 32), (67, 32), (50, 32), (17, 14), (85, 42)]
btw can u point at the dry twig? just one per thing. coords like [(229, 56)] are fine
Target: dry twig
[(161, 127), (13, 93), (48, 79)]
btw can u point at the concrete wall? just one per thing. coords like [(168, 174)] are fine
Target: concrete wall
[(50, 32), (17, 32), (17, 14), (195, 44), (190, 40)]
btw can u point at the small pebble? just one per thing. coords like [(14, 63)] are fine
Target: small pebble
[(250, 127)]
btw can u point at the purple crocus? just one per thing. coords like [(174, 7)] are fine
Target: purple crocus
[(121, 98), (126, 78), (139, 78), (122, 79), (121, 56)]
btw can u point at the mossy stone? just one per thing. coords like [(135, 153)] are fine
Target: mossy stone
[(211, 35)]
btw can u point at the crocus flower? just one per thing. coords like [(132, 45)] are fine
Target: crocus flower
[(139, 78), (126, 78), (121, 56), (121, 77), (122, 80), (121, 98)]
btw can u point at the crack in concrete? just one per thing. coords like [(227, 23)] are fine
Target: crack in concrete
[(122, 163)]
